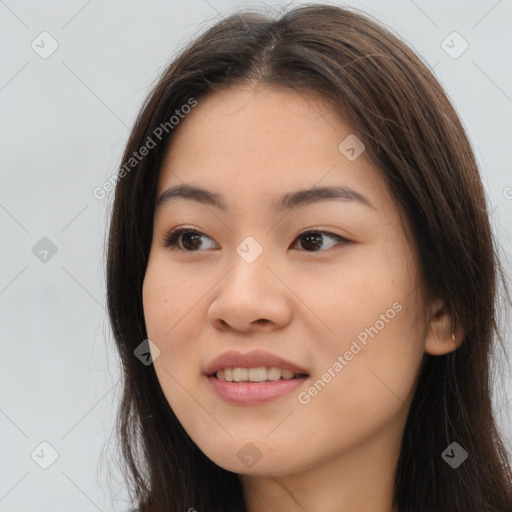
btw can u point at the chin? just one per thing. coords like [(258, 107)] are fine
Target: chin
[(248, 458)]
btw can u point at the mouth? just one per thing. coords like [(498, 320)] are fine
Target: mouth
[(253, 386), (253, 377)]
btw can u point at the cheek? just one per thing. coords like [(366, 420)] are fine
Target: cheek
[(169, 317), (171, 305), (169, 300), (362, 295), (368, 391), (378, 330)]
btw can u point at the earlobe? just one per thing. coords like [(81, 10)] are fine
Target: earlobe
[(444, 334)]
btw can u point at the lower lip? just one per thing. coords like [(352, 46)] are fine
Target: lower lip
[(254, 392)]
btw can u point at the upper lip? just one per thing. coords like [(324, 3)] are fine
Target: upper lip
[(254, 359)]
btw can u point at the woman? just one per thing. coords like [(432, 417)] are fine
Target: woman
[(302, 280)]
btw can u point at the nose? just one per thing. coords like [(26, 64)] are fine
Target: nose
[(251, 296)]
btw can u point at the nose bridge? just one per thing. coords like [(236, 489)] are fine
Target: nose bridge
[(250, 250), (249, 292), (249, 267)]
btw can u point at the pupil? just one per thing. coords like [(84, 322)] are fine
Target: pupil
[(317, 239), (191, 235)]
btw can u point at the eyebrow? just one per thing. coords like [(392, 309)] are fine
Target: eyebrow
[(288, 201)]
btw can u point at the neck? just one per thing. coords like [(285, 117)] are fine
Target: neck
[(361, 480)]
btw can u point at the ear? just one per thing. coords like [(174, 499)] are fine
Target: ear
[(444, 335)]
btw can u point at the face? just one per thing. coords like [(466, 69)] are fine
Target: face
[(326, 286)]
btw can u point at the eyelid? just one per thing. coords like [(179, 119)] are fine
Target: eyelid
[(318, 229)]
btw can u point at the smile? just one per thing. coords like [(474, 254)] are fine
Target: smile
[(246, 392)]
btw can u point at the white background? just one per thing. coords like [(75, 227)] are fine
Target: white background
[(63, 123)]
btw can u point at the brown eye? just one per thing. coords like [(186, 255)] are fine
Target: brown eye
[(190, 238), (312, 240)]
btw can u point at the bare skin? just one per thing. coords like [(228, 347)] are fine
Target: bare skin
[(335, 450)]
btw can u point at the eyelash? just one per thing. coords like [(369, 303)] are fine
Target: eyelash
[(171, 239)]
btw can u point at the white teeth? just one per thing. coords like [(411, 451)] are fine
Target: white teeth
[(259, 374), (274, 373), (287, 374), (240, 374)]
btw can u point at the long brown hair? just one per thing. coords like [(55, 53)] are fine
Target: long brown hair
[(414, 136)]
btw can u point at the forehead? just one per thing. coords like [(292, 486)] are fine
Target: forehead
[(256, 142)]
